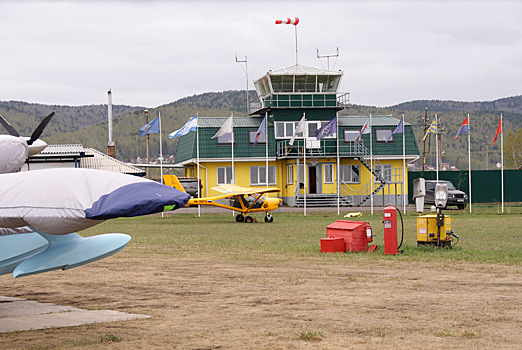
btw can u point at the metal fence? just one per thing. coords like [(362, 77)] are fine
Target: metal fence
[(486, 184)]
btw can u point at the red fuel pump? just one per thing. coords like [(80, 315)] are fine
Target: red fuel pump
[(390, 230)]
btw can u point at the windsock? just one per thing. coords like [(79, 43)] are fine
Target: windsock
[(288, 20)]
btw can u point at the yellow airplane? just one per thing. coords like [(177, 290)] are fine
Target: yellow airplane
[(241, 199)]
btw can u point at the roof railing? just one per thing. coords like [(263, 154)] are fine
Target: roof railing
[(299, 100)]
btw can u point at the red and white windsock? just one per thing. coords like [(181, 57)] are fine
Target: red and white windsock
[(288, 20)]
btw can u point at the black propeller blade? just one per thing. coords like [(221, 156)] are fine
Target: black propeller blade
[(8, 127), (38, 131)]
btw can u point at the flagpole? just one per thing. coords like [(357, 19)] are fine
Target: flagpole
[(404, 168), (296, 56), (197, 153), (502, 158), (372, 166), (266, 148), (232, 138), (161, 148), (304, 162), (338, 165), (437, 145), (469, 162), (161, 153)]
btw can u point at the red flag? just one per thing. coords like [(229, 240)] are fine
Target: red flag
[(499, 130)]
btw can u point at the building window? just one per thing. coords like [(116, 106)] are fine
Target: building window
[(224, 175), (383, 134), (351, 173), (226, 139), (286, 130), (301, 170), (290, 174), (312, 127), (328, 173), (351, 135), (252, 137), (385, 170), (258, 175)]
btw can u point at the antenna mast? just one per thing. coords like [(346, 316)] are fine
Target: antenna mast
[(328, 57), (245, 61)]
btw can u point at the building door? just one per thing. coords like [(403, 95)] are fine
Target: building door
[(313, 176)]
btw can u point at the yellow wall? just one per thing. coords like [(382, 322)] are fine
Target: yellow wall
[(243, 176)]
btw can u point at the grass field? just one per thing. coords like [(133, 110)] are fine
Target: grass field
[(485, 236), (212, 283)]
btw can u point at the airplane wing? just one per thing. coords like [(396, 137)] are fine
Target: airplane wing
[(61, 201), (40, 210), (238, 190)]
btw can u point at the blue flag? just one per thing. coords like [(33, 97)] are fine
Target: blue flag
[(191, 125), (152, 127), (327, 129), (398, 130), (260, 131)]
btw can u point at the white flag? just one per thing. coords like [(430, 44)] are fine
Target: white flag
[(300, 129), (226, 128), (365, 129)]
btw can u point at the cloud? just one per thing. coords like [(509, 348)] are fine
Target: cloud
[(155, 52)]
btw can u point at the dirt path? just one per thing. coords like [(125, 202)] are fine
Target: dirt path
[(202, 303)]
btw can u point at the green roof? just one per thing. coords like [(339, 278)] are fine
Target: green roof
[(377, 120), (239, 122), (210, 149)]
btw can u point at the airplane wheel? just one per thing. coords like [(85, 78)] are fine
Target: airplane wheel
[(240, 218), (249, 219), (269, 218)]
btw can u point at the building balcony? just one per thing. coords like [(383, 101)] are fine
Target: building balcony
[(319, 148)]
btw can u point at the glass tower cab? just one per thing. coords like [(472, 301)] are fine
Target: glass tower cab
[(298, 86)]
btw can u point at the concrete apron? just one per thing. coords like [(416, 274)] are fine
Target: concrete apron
[(18, 314)]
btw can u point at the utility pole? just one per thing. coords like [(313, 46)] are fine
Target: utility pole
[(438, 136), (146, 112), (245, 61)]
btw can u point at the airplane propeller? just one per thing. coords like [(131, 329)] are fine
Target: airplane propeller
[(37, 132), (39, 129), (8, 127), (35, 145)]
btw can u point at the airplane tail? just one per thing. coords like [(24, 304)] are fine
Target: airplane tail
[(172, 181)]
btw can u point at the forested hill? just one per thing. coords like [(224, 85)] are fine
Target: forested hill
[(87, 125), (25, 116), (508, 104), (230, 100)]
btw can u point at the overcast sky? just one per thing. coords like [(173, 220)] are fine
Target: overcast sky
[(152, 53)]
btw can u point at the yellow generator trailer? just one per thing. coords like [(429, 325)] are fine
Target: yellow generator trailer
[(435, 229)]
